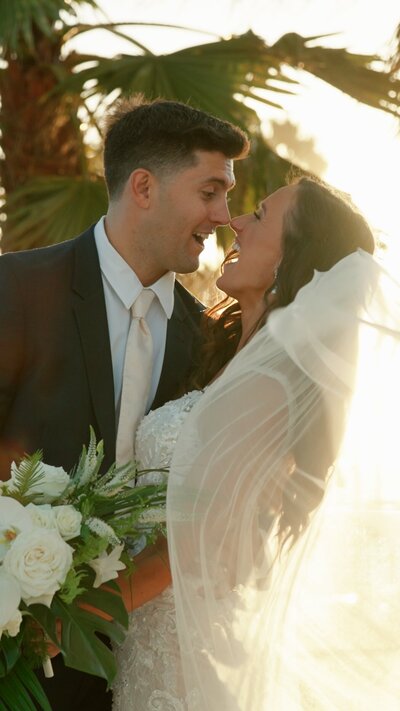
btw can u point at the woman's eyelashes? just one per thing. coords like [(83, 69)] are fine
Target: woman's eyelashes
[(256, 214)]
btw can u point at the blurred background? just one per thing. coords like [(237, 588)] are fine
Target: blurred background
[(315, 83)]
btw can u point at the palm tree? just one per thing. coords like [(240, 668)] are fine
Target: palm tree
[(51, 177), (396, 54)]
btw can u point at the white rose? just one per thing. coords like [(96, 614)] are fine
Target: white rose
[(40, 561), (53, 481), (12, 628), (68, 521), (10, 596), (42, 515), (14, 519)]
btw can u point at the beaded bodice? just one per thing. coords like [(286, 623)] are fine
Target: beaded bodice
[(149, 671), (157, 434)]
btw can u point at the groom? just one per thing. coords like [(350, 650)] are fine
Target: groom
[(65, 310)]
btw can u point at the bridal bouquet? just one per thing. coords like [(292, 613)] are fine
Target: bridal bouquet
[(61, 537)]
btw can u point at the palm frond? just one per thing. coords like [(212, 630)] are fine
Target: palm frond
[(239, 65), (22, 19), (80, 28), (396, 54), (351, 73), (51, 210)]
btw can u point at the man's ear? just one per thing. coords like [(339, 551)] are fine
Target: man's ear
[(141, 184)]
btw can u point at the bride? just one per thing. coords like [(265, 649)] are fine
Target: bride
[(269, 610)]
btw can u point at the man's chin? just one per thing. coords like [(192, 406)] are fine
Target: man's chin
[(189, 268)]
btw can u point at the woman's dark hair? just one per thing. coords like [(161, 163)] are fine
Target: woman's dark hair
[(321, 228)]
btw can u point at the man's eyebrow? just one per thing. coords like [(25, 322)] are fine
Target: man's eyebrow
[(220, 181)]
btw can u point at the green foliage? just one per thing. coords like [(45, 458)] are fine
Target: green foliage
[(53, 209), (131, 500), (354, 74), (19, 686), (72, 587), (81, 647), (10, 651), (20, 690), (89, 463), (26, 475), (239, 66), (21, 20), (91, 547)]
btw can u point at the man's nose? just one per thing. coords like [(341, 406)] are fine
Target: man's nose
[(221, 215)]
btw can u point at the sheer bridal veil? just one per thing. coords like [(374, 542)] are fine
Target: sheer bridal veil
[(316, 626)]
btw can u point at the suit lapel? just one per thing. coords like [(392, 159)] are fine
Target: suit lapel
[(182, 335), (91, 317)]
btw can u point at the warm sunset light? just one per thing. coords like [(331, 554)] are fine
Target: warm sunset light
[(360, 145), (199, 355)]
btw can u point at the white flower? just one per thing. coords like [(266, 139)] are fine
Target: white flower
[(14, 519), (42, 515), (53, 482), (102, 530), (12, 628), (68, 521), (39, 560), (157, 515), (10, 596), (107, 565)]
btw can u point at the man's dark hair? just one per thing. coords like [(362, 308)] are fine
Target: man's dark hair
[(162, 136)]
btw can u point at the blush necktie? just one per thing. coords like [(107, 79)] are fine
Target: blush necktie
[(136, 377)]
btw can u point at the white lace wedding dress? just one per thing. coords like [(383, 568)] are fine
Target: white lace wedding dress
[(149, 674)]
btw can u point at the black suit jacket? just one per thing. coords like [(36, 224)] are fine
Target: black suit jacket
[(55, 360), (56, 380)]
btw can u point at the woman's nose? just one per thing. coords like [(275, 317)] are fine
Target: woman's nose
[(236, 223)]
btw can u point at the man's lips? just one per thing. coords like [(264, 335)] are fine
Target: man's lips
[(200, 237)]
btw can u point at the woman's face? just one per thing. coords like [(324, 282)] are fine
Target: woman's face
[(259, 246)]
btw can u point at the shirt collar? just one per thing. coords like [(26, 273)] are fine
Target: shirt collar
[(123, 280)]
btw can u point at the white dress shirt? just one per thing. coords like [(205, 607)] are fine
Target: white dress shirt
[(121, 288)]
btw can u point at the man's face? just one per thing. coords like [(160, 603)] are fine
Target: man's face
[(186, 208)]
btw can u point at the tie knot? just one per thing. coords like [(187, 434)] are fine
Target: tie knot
[(142, 303)]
